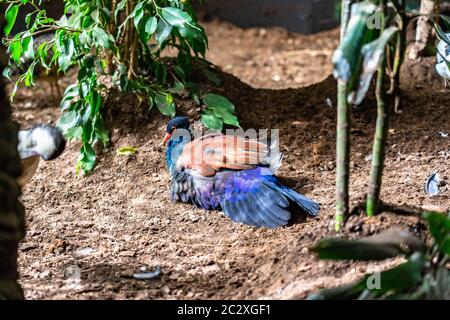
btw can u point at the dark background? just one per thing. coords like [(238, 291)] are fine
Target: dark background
[(303, 16)]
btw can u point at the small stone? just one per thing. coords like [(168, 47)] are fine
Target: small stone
[(28, 246), (127, 274), (59, 250), (181, 253), (165, 290), (85, 224), (143, 269), (127, 253), (193, 218), (84, 252), (174, 276)]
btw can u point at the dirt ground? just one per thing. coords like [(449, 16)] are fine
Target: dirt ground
[(120, 220)]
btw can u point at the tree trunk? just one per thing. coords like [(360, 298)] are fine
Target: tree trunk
[(424, 30), (12, 225), (379, 144), (342, 136)]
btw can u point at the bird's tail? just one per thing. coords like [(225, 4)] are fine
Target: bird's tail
[(309, 206)]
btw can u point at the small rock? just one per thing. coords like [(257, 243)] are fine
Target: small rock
[(84, 252), (85, 224), (174, 276), (181, 253), (59, 250), (165, 290), (143, 269), (193, 218), (127, 253), (127, 274), (28, 246)]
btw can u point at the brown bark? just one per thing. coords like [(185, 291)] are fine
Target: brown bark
[(12, 225), (424, 30)]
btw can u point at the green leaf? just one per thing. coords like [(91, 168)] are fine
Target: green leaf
[(67, 120), (222, 108), (101, 131), (95, 15), (67, 53), (86, 160), (74, 133), (387, 244), (345, 292), (347, 58), (373, 53), (87, 22), (126, 151), (405, 276), (215, 101), (210, 120), (10, 15), (161, 73), (27, 47), (188, 32), (15, 49), (163, 31), (138, 17), (212, 76), (101, 36), (439, 226), (179, 73), (29, 75), (178, 87), (119, 8), (28, 18), (165, 104), (7, 72), (175, 16), (150, 26), (230, 119)]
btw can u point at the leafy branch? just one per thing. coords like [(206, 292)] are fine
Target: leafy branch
[(123, 40)]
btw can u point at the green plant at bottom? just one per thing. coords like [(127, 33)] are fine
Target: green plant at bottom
[(424, 275)]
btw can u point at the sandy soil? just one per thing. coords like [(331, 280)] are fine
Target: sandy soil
[(119, 219)]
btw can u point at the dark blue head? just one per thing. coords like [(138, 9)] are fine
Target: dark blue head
[(176, 123), (176, 140)]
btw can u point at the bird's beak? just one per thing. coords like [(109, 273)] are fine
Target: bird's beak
[(166, 138)]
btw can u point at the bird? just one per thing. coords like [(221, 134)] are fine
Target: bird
[(230, 173), (40, 141), (443, 53)]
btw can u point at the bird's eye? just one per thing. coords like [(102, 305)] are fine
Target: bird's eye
[(447, 51)]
